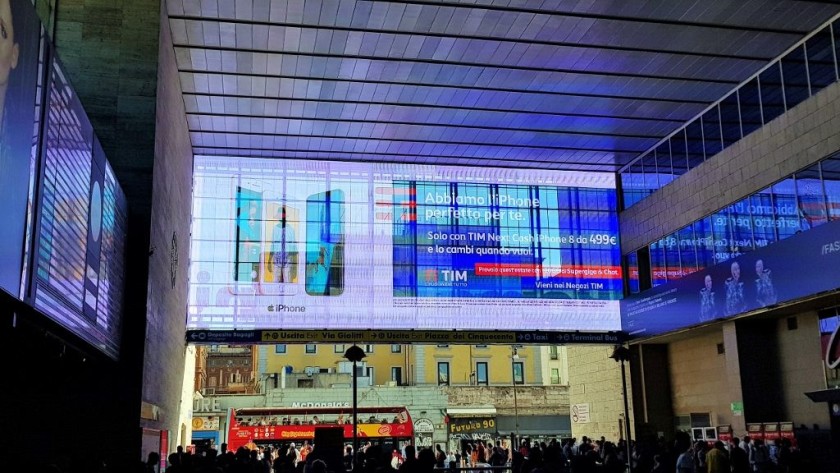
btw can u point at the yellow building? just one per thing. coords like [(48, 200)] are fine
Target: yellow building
[(395, 364)]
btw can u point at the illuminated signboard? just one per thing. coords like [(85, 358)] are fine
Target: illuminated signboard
[(283, 244), (19, 54), (802, 265), (81, 226)]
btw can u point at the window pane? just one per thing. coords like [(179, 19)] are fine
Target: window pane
[(763, 218), (750, 107), (688, 250), (772, 99), (481, 373), (694, 140), (663, 164), (279, 348), (831, 181), (730, 120), (649, 165), (809, 193), (443, 373), (555, 376), (786, 210), (821, 69), (518, 372), (396, 348), (679, 159), (795, 76), (704, 243), (712, 144), (722, 234), (671, 247), (310, 348), (741, 227), (633, 185), (658, 267), (632, 272)]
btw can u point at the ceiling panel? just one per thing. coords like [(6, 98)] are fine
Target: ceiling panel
[(543, 84)]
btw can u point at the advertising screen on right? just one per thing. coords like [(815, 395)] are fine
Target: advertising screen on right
[(805, 264)]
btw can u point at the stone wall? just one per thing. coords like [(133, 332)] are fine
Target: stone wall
[(595, 379), (165, 345)]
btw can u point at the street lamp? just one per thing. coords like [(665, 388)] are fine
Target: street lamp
[(513, 357), (355, 354), (622, 354)]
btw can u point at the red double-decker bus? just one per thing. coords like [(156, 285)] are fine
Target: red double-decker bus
[(249, 427)]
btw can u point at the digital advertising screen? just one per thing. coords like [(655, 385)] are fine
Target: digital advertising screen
[(19, 77), (804, 264), (286, 244), (81, 226)]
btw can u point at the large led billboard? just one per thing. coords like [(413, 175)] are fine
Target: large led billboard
[(802, 265), (79, 244), (19, 53), (332, 245)]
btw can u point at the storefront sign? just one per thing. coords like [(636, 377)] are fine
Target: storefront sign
[(469, 425), (737, 408), (205, 423), (424, 426), (580, 413)]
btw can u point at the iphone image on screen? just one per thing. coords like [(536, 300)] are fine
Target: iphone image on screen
[(282, 255), (249, 227), (325, 244)]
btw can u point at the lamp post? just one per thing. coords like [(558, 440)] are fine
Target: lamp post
[(513, 357), (622, 354), (355, 354)]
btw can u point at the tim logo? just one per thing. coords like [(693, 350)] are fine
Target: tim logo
[(444, 277)]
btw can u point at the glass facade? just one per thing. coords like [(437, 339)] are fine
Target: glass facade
[(802, 72), (799, 202)]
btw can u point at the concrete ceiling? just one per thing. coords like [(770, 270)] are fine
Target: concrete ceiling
[(562, 84)]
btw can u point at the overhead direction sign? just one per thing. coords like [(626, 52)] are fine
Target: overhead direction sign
[(535, 337)]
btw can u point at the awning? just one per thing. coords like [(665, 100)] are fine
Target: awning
[(825, 395), (471, 412), (558, 425)]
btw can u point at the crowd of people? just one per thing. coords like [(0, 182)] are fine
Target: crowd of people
[(567, 456)]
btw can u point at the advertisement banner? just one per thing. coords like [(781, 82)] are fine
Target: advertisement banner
[(470, 425), (19, 84), (802, 265), (285, 244)]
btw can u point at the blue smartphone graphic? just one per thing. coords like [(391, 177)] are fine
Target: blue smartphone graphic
[(325, 244), (249, 228)]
